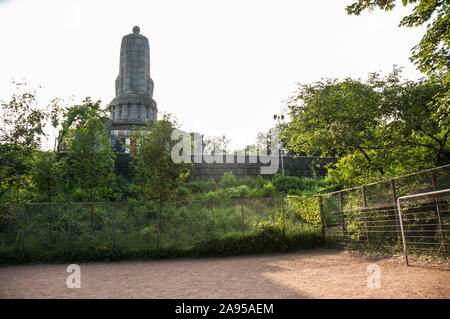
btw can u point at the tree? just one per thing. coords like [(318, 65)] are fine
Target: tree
[(157, 175), (92, 160), (47, 173), (414, 115), (432, 52), (334, 118), (378, 129), (75, 117), (22, 122)]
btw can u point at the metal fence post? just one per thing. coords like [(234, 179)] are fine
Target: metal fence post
[(158, 225), (322, 221), (24, 222), (394, 197), (242, 217), (403, 231), (69, 221), (201, 219), (283, 216), (438, 212), (114, 226), (341, 207), (363, 191)]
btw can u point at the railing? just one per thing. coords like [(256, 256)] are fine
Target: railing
[(369, 215)]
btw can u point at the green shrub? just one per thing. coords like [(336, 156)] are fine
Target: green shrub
[(202, 187), (228, 246), (306, 207), (243, 191), (268, 190), (228, 180), (292, 184), (269, 228), (182, 192), (210, 195), (251, 182)]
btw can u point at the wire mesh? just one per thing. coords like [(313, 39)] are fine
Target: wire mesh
[(426, 223), (366, 215), (369, 214), (89, 228)]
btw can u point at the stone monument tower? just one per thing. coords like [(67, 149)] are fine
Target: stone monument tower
[(134, 102)]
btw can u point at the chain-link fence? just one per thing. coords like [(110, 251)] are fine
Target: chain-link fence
[(78, 228), (366, 215), (369, 215)]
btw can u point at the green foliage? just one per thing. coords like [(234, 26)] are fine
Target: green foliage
[(123, 188), (201, 187), (227, 246), (75, 117), (292, 185), (92, 160), (228, 180), (48, 173), (306, 207), (252, 182), (333, 117), (230, 192), (22, 121), (377, 129), (21, 129), (273, 227), (268, 190), (215, 230), (243, 191), (182, 192), (157, 175), (268, 228), (431, 53)]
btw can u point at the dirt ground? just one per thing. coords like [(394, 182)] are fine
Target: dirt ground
[(307, 274)]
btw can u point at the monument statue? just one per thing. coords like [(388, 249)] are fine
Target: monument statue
[(134, 102)]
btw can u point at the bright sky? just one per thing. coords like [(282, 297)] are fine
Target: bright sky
[(222, 67)]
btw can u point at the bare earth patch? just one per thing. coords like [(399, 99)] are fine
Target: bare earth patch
[(306, 274)]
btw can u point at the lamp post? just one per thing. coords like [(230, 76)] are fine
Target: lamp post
[(280, 118)]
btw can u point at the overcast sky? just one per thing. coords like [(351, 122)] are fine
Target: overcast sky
[(222, 67)]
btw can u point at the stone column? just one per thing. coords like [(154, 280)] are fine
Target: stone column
[(116, 112), (133, 112), (142, 112), (125, 111)]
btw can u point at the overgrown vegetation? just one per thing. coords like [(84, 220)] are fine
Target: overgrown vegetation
[(111, 231)]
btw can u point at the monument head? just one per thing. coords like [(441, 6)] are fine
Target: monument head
[(136, 30)]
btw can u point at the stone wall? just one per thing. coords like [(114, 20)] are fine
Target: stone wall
[(301, 166)]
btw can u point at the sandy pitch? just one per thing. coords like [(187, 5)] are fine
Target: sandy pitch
[(307, 274)]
